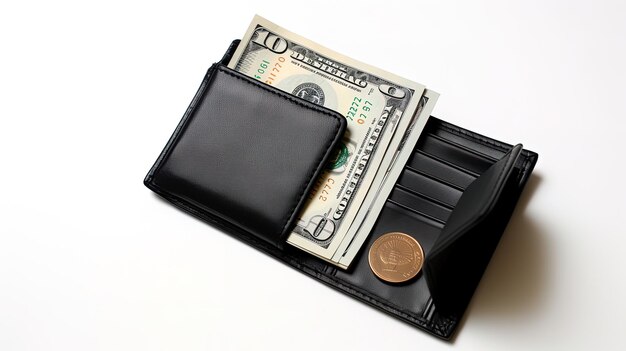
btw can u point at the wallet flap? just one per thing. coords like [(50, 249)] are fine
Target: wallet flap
[(460, 254), (247, 154)]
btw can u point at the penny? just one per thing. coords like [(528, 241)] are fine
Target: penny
[(396, 257)]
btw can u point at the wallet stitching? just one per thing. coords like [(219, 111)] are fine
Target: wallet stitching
[(326, 150), (527, 165), (320, 164), (377, 300)]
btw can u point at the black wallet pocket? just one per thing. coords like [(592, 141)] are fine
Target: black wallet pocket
[(246, 154), (462, 251)]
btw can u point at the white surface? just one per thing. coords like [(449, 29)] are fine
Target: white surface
[(92, 260)]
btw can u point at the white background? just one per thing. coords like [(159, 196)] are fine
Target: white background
[(91, 260)]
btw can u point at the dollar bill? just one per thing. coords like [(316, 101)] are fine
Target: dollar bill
[(386, 178), (376, 104)]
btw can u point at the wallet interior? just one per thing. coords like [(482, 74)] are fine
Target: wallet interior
[(455, 195)]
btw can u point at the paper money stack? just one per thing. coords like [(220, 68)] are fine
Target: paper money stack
[(385, 114)]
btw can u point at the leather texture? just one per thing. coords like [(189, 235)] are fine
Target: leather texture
[(248, 154), (458, 187)]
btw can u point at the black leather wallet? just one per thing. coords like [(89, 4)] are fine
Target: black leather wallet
[(245, 155)]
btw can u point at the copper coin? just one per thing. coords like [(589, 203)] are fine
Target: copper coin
[(396, 257)]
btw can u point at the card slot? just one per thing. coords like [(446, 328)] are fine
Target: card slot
[(495, 150), (422, 205), (426, 187), (441, 169), (425, 197), (460, 157), (447, 163), (464, 147), (433, 177), (417, 212)]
